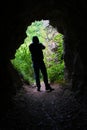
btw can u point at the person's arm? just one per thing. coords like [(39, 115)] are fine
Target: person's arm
[(42, 46), (30, 48)]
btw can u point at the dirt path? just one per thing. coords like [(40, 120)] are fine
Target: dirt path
[(56, 110)]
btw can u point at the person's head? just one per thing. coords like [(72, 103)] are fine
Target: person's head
[(35, 39)]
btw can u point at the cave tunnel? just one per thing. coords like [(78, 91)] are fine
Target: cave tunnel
[(69, 17)]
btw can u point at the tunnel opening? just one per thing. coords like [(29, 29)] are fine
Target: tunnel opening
[(70, 117), (53, 54)]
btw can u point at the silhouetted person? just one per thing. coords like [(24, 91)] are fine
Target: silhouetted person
[(38, 63)]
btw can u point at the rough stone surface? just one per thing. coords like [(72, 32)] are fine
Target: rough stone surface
[(56, 110), (69, 17)]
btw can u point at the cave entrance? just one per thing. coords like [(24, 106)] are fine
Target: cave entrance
[(53, 54)]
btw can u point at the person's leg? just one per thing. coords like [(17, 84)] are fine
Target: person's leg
[(45, 76), (37, 78), (44, 73)]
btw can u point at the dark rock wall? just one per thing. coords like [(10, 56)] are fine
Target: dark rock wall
[(69, 17)]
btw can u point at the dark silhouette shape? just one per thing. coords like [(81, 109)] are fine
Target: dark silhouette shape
[(38, 63)]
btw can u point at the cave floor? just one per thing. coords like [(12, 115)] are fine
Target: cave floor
[(33, 110)]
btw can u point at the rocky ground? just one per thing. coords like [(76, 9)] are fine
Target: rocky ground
[(56, 110)]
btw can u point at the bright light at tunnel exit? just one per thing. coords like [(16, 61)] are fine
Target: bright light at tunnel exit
[(53, 54)]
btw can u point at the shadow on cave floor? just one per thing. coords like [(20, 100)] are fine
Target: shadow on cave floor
[(32, 110)]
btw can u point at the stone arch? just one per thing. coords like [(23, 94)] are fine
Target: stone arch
[(68, 17)]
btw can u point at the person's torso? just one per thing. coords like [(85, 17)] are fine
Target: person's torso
[(36, 52)]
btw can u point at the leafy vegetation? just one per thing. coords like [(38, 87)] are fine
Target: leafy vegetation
[(52, 54)]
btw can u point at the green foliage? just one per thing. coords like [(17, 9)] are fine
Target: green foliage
[(23, 63), (36, 28), (59, 40), (56, 64), (48, 36), (56, 72)]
